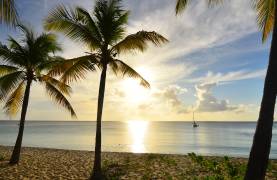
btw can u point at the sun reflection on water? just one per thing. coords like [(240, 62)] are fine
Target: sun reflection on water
[(137, 129)]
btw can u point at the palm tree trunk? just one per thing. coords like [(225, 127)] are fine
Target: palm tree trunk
[(258, 159), (17, 148), (97, 174)]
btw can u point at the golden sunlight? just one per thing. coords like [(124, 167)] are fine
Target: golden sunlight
[(135, 93), (137, 129)]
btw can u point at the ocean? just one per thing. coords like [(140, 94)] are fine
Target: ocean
[(210, 138)]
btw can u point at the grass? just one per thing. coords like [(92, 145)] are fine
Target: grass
[(191, 167), (1, 157), (113, 170), (222, 168)]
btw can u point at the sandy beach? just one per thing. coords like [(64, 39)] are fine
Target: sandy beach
[(42, 163)]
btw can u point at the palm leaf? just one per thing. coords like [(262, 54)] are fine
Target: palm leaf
[(265, 16), (69, 22), (47, 43), (119, 67), (8, 13), (6, 69), (59, 98), (138, 41), (11, 57), (181, 5), (74, 69), (9, 82), (15, 100), (88, 20), (111, 20), (62, 87)]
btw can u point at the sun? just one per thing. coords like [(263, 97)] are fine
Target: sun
[(134, 92)]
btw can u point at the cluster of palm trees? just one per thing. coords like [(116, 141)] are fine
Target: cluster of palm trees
[(33, 60)]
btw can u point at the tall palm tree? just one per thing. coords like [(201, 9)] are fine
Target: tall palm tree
[(259, 154), (8, 12), (103, 33), (23, 63), (258, 159)]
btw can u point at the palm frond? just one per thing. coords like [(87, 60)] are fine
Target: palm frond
[(89, 21), (29, 35), (265, 16), (11, 57), (214, 2), (61, 86), (138, 41), (6, 69), (180, 6), (47, 43), (111, 20), (15, 45), (119, 67), (70, 22), (15, 100), (59, 98), (74, 69), (8, 12), (9, 82)]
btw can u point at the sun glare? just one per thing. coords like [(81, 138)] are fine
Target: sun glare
[(137, 129), (135, 93)]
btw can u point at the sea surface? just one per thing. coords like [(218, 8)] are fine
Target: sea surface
[(210, 138)]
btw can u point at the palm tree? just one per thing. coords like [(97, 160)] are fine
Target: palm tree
[(259, 154), (103, 33), (258, 159), (22, 63), (8, 13)]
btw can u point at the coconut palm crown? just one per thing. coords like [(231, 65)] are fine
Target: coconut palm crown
[(29, 60), (104, 33), (21, 64)]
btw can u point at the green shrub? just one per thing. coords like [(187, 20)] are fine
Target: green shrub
[(1, 157), (113, 170)]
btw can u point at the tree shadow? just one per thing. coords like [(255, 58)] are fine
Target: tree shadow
[(5, 164)]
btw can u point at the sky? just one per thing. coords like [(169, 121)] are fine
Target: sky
[(214, 65)]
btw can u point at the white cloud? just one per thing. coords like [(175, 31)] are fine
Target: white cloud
[(212, 77), (196, 29), (170, 95), (207, 102)]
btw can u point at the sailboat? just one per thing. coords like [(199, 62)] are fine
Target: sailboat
[(195, 125)]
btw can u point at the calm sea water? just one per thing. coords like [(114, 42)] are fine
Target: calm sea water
[(211, 138)]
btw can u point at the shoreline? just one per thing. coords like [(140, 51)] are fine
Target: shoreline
[(48, 163)]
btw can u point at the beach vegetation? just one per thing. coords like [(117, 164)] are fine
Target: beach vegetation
[(220, 169), (23, 63), (113, 170), (104, 33), (2, 157)]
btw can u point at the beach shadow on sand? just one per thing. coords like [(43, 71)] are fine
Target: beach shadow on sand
[(5, 164)]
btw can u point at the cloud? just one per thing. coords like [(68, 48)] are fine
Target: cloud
[(207, 102), (198, 28), (170, 95), (212, 77)]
